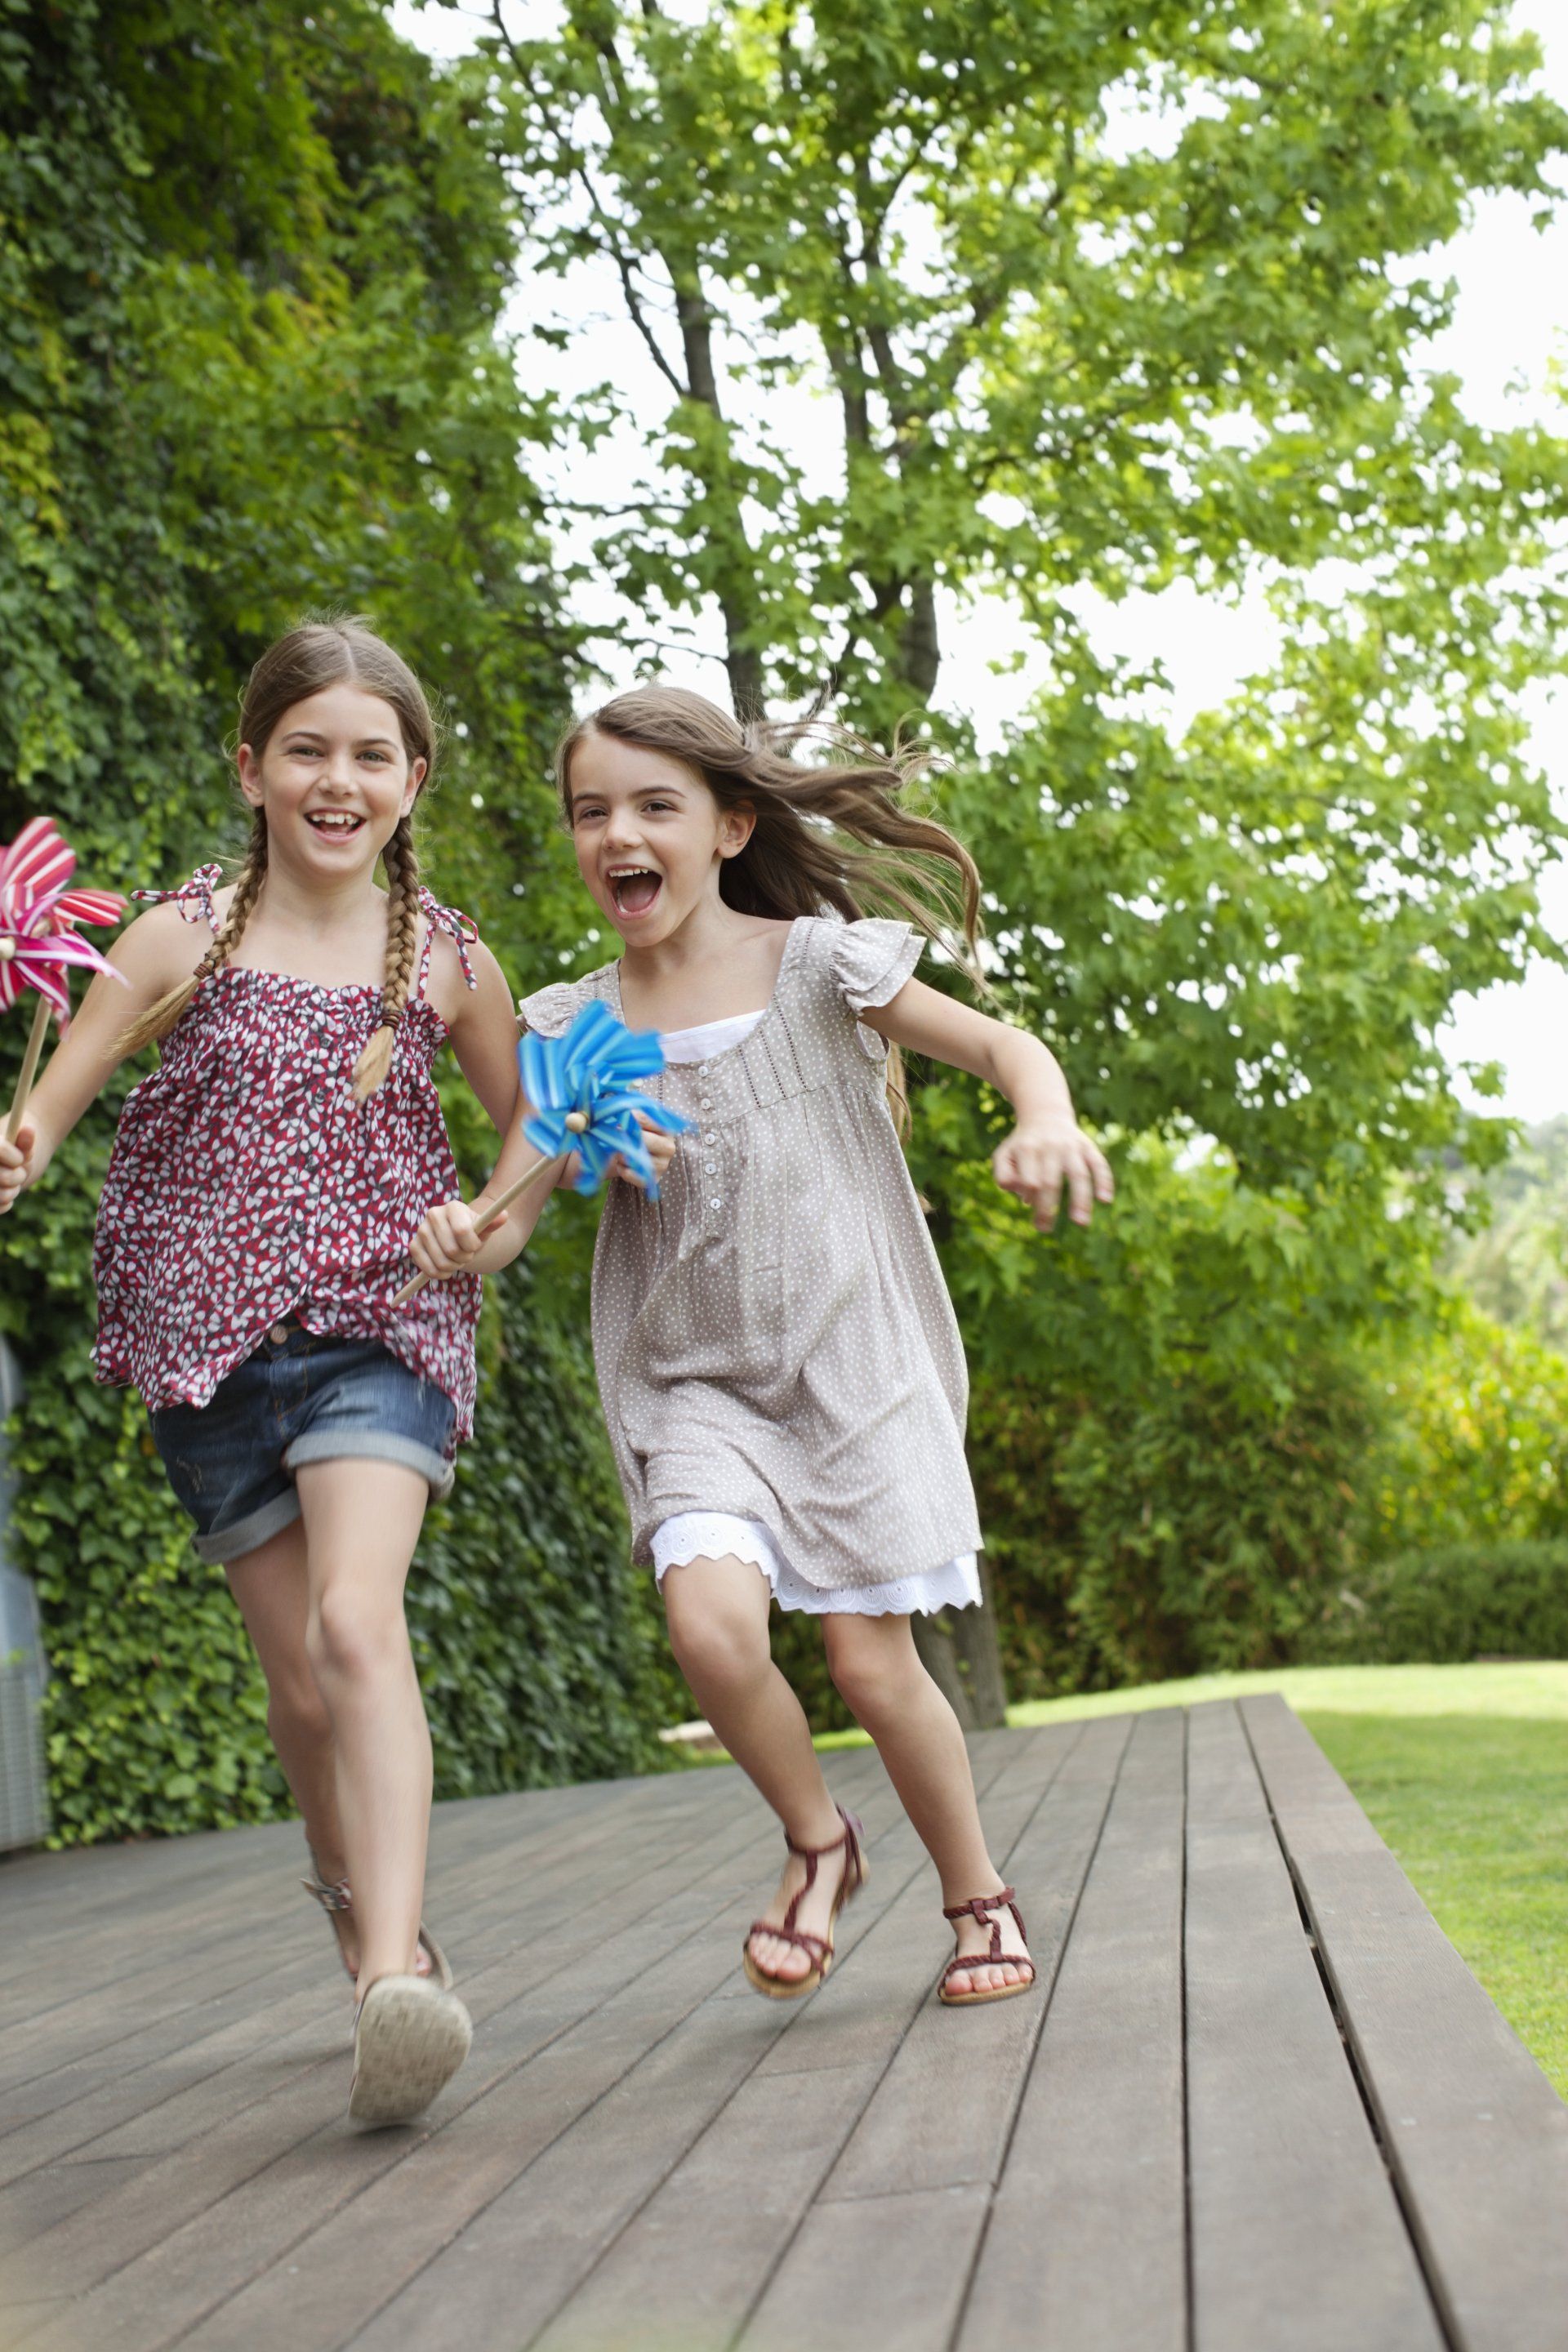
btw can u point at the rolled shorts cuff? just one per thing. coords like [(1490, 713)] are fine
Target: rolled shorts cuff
[(373, 1446), (221, 1545)]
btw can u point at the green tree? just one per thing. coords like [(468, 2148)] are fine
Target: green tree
[(1085, 297)]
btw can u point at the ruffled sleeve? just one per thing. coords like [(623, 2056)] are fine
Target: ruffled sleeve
[(549, 1011), (193, 898), (872, 959)]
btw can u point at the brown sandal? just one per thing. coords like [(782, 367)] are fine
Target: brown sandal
[(980, 1906), (818, 1949), (335, 1900)]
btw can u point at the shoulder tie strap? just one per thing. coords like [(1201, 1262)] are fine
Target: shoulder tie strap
[(193, 898), (462, 929)]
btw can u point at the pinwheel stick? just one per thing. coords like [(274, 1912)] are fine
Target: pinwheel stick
[(35, 1035), (576, 1124)]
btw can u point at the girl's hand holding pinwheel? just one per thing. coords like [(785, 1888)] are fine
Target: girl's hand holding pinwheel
[(585, 1121)]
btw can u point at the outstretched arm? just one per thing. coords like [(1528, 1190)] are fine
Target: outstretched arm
[(154, 953), (1047, 1149)]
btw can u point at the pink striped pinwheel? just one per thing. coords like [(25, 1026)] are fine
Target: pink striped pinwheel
[(38, 917), (38, 944)]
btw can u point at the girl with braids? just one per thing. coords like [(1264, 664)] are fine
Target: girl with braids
[(779, 1362), (254, 1229)]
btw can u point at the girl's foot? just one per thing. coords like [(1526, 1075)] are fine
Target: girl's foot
[(993, 1956), (410, 2038), (818, 1882)]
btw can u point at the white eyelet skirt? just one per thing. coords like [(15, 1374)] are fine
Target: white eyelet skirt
[(715, 1535)]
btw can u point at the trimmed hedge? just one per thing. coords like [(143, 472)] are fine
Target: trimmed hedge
[(1448, 1606)]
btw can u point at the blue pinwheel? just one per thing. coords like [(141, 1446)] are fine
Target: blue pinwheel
[(580, 1087), (584, 1099)]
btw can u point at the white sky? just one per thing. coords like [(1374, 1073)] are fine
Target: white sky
[(1510, 324)]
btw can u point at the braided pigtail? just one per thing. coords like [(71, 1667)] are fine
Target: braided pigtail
[(401, 862), (159, 1018)]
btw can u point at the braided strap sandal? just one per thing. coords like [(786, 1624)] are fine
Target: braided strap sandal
[(336, 1901), (818, 1949), (979, 1908)]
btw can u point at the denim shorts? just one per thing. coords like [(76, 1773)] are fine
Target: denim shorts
[(303, 1396)]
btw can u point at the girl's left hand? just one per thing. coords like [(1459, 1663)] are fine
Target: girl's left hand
[(1038, 1159)]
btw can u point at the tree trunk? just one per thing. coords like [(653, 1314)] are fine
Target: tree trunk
[(960, 1651)]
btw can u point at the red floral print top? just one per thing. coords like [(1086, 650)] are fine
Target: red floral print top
[(246, 1184)]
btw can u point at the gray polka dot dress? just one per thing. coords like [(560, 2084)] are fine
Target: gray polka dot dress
[(772, 1336)]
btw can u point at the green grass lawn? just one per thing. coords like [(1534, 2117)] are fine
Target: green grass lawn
[(1464, 1771)]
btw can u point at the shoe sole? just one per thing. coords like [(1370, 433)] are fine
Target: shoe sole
[(978, 2000), (410, 2042)]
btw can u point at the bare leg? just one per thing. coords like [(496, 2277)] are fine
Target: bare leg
[(717, 1610), (362, 1521), (271, 1590), (878, 1674)]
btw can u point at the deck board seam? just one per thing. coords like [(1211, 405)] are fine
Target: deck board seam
[(604, 2250), (1409, 2212), (471, 2217), (320, 2130), (182, 2089), (233, 1934), (1047, 1993)]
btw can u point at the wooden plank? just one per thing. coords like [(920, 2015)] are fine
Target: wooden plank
[(114, 1969), (132, 2084), (1477, 2137), (232, 2125), (1297, 2237), (877, 2271), (745, 2185), (684, 2273), (178, 2243), (502, 2272), (122, 1980), (943, 2112), (1085, 2250)]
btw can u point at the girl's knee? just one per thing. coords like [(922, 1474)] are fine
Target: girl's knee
[(713, 1644), (352, 1640), (873, 1662)]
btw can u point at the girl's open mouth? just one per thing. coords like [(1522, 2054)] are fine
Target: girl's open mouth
[(634, 889), (335, 824)]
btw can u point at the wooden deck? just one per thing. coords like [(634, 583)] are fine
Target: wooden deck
[(1259, 2105)]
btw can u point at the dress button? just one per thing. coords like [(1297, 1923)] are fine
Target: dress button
[(712, 1168), (706, 1104), (718, 1204)]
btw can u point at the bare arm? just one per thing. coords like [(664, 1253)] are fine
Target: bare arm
[(154, 954), (449, 1240), (484, 1039), (1046, 1148)]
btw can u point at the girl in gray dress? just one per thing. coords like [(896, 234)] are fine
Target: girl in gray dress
[(780, 1366)]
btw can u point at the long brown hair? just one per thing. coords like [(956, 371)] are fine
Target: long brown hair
[(316, 655)]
